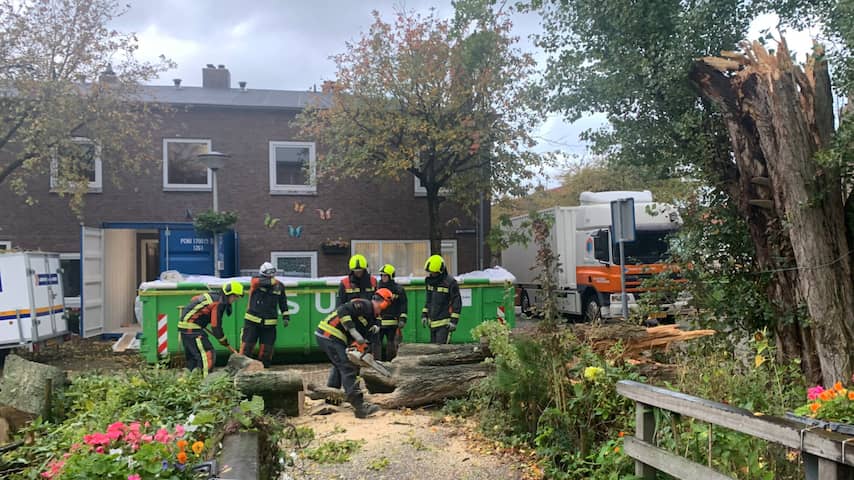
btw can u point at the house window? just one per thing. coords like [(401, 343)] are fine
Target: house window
[(295, 264), (420, 191), (407, 256), (182, 170), (82, 160), (5, 245), (292, 168)]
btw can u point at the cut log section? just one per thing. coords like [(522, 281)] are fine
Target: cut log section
[(423, 374), (280, 389)]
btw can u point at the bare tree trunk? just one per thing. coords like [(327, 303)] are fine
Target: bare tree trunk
[(777, 118), (433, 202)]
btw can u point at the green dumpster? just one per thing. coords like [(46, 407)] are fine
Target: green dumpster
[(309, 302)]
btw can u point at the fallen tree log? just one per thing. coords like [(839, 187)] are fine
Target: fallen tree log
[(423, 374), (635, 339), (280, 389)]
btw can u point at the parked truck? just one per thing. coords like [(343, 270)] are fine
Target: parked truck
[(31, 301), (588, 283)]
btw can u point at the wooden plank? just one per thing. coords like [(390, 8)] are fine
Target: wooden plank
[(669, 463), (645, 431), (782, 431)]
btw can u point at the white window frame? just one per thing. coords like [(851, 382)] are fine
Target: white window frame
[(420, 191), (95, 186), (275, 188), (274, 256), (449, 250), (6, 244), (183, 187)]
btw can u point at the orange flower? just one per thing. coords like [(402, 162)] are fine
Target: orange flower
[(621, 434), (814, 407), (182, 444), (837, 386), (198, 447), (827, 395), (616, 449), (851, 396), (182, 458)]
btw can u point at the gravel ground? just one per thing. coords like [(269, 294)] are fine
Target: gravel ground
[(403, 444)]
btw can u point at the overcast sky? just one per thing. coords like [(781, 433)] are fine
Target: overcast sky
[(286, 44)]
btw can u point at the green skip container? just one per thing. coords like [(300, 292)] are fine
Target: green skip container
[(489, 297)]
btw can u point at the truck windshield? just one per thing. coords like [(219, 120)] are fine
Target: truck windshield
[(650, 246)]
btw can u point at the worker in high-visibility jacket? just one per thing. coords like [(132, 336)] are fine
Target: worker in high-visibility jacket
[(358, 283), (207, 309), (350, 324), (267, 297), (441, 311), (393, 319)]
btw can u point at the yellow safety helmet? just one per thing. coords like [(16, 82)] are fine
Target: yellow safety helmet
[(434, 264), (358, 261), (233, 288), (388, 269)]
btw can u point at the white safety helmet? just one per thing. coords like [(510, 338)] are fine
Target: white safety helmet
[(267, 269)]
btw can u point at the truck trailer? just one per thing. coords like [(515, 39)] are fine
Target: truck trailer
[(588, 281), (31, 301)]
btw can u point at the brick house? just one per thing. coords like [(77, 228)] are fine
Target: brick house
[(145, 226)]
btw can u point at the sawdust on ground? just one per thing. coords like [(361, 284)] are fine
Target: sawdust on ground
[(78, 355), (405, 444)]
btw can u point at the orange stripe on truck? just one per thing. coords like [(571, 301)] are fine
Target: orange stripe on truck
[(606, 278)]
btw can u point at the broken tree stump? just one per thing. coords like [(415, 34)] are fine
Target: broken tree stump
[(280, 389), (423, 374), (635, 339), (28, 386)]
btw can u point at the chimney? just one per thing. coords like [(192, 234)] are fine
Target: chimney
[(177, 82), (242, 85), (213, 77), (108, 75)]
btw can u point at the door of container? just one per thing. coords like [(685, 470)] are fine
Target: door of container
[(46, 295), (91, 281)]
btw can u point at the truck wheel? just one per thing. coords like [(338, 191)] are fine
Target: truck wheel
[(525, 303), (592, 311)]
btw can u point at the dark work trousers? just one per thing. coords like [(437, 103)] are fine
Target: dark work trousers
[(390, 336), (198, 350), (440, 335), (346, 371), (252, 333)]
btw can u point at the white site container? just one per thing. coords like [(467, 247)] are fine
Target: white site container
[(31, 300)]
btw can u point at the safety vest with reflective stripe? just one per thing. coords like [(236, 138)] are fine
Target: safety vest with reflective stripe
[(203, 310), (357, 313), (266, 298), (397, 310), (443, 302), (353, 287)]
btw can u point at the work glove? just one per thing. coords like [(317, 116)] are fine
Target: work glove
[(285, 321), (424, 321), (374, 329), (401, 323), (357, 337), (452, 327)]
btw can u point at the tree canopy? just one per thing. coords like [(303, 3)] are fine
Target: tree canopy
[(445, 101), (69, 84)]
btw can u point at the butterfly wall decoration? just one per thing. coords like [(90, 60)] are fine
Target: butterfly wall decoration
[(299, 207), (324, 214), (295, 232)]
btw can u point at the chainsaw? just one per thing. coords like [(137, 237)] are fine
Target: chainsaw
[(359, 355)]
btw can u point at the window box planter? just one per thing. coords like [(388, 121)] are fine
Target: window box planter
[(842, 428), (334, 249)]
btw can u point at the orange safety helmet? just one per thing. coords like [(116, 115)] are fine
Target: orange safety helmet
[(384, 296)]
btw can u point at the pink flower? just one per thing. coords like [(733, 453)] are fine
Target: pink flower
[(147, 438), (135, 476), (179, 430), (96, 439), (53, 469), (162, 436), (99, 449), (814, 392)]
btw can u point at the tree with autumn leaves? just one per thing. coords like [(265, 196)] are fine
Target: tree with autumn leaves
[(446, 101), (69, 96)]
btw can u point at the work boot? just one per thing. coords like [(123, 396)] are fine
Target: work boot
[(365, 409)]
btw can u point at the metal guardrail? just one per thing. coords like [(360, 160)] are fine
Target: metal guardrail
[(826, 455)]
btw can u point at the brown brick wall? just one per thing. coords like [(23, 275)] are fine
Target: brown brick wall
[(363, 208)]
